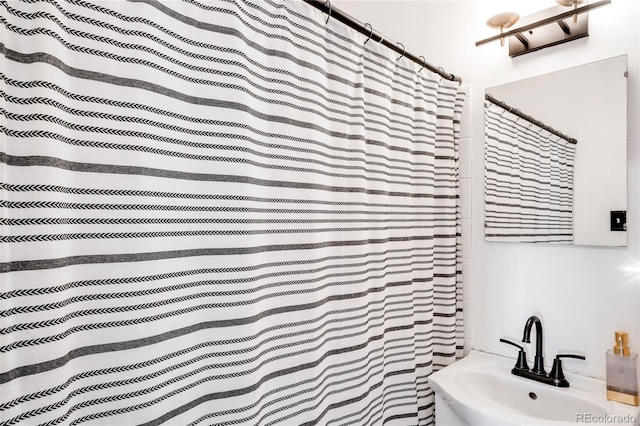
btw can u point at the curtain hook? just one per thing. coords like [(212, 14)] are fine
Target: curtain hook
[(329, 14), (403, 49), (370, 33), (441, 72), (516, 112), (424, 62)]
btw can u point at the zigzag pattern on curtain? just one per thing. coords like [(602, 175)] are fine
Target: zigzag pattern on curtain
[(221, 213), (528, 181)]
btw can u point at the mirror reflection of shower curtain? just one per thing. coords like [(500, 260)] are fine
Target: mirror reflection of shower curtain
[(528, 180)]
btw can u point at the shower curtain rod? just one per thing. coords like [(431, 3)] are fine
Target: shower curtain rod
[(530, 119), (367, 29)]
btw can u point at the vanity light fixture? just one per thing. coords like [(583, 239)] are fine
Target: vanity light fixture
[(542, 29), (571, 3), (502, 21)]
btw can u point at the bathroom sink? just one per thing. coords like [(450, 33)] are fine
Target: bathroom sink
[(520, 398), (480, 390)]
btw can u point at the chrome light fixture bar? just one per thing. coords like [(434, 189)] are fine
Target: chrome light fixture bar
[(546, 28)]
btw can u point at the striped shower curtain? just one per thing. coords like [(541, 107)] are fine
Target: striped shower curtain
[(528, 180), (221, 212)]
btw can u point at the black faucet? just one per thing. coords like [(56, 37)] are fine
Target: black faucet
[(537, 373), (538, 362)]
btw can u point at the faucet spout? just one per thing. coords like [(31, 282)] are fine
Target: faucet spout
[(538, 365)]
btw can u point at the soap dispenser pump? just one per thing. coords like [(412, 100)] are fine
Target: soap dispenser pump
[(622, 371)]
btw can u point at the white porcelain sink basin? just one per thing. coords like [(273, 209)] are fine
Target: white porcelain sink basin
[(480, 390), (520, 398)]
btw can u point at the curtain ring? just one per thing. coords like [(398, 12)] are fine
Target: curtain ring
[(403, 50), (424, 62), (515, 112), (370, 33), (329, 14)]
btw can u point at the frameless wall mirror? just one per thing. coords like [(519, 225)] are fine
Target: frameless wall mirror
[(556, 157)]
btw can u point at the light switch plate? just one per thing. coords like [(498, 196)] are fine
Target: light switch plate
[(619, 220)]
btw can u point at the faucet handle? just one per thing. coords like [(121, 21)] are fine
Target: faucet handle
[(521, 363), (556, 370)]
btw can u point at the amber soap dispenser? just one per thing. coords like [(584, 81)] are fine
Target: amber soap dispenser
[(622, 372)]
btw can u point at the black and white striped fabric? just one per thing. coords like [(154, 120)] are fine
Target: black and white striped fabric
[(528, 180), (221, 212)]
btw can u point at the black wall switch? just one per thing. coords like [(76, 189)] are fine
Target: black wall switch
[(619, 220)]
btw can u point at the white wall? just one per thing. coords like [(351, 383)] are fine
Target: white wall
[(582, 294)]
